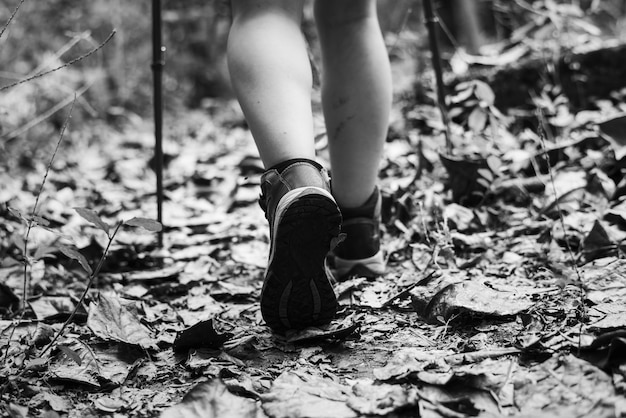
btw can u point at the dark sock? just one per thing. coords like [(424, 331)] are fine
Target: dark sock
[(366, 210), (280, 167)]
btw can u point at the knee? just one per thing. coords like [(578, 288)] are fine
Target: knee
[(334, 13)]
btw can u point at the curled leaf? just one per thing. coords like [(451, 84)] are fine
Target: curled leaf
[(202, 334), (145, 223), (92, 217)]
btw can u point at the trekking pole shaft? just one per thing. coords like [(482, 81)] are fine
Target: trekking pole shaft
[(157, 70), (431, 26)]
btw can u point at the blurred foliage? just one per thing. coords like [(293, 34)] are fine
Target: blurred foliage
[(193, 32), (117, 80)]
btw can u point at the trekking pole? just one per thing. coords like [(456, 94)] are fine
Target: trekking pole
[(431, 26), (158, 51)]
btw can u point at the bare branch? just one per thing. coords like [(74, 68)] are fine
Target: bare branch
[(67, 64), (4, 28)]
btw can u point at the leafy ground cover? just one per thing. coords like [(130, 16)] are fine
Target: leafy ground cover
[(505, 294)]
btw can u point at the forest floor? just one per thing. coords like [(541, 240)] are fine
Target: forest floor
[(512, 303)]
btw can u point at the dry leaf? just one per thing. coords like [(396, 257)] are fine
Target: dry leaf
[(110, 320), (213, 400)]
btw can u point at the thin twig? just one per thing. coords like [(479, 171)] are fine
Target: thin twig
[(30, 227), (542, 135), (34, 211), (4, 28), (67, 64)]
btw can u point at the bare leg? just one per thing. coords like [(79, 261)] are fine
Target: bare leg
[(271, 75), (356, 95)]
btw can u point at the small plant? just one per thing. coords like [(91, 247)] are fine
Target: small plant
[(70, 251), (61, 245), (39, 357)]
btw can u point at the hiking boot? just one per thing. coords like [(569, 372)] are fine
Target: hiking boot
[(359, 254), (304, 222)]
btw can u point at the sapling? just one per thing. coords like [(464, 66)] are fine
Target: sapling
[(71, 252), (93, 218), (32, 221)]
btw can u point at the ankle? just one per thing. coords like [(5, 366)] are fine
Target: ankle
[(367, 209)]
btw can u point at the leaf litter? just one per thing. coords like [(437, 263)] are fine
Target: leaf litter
[(505, 294)]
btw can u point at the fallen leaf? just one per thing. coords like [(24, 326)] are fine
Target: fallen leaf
[(71, 354), (614, 131), (381, 399), (460, 217), (466, 299), (110, 320), (109, 404), (17, 411), (545, 386), (463, 176), (252, 252), (66, 369), (116, 361), (8, 300), (332, 331), (165, 273), (411, 361), (599, 242), (456, 401), (48, 306), (213, 400), (200, 335), (302, 394), (57, 403), (612, 316), (97, 365), (607, 351)]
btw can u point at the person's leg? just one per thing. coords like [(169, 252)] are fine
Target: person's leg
[(271, 76), (356, 98), (356, 95)]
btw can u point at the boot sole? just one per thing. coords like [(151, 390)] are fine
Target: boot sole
[(297, 292)]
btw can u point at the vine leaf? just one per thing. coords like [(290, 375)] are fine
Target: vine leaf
[(145, 223), (92, 217), (75, 255)]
